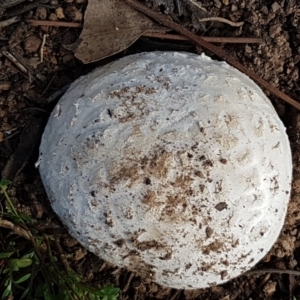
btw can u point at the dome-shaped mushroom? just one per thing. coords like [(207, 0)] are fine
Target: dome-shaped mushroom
[(171, 165)]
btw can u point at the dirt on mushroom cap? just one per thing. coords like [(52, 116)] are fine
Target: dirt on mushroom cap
[(169, 164)]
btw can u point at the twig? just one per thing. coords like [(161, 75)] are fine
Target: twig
[(11, 136), (103, 266), (222, 20), (126, 287), (42, 47), (273, 271), (198, 5), (56, 269), (231, 40), (9, 3), (261, 284), (212, 39), (16, 11), (16, 229), (34, 22), (216, 50), (62, 256), (49, 84), (175, 295), (9, 21), (15, 61)]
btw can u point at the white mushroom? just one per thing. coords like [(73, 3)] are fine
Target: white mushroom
[(171, 165)]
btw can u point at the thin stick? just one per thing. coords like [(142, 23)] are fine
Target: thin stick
[(175, 295), (198, 5), (19, 10), (34, 22), (212, 39), (15, 61), (16, 229), (272, 271), (42, 47), (221, 20), (216, 50), (49, 84), (131, 276), (9, 21), (9, 3), (231, 40), (62, 256)]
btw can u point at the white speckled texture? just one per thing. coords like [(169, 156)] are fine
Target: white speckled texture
[(171, 165)]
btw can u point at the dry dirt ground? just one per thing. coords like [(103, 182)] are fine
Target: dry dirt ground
[(24, 110)]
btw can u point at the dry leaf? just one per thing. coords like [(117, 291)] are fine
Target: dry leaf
[(293, 286), (110, 26)]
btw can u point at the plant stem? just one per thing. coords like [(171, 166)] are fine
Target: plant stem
[(9, 201)]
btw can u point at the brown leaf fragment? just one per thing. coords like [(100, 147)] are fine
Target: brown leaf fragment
[(110, 26), (220, 206)]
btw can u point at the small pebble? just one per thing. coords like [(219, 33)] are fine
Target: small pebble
[(70, 242), (79, 254), (67, 58), (41, 77), (53, 60), (32, 44), (73, 13), (292, 264), (270, 288), (37, 209), (252, 18), (234, 8), (6, 127), (248, 49), (265, 10), (153, 287), (44, 28), (275, 30), (41, 13), (53, 17), (275, 7), (60, 13)]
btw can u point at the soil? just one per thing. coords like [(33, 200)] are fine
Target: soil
[(25, 106)]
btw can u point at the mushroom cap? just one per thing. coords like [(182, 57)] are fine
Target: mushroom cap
[(171, 165)]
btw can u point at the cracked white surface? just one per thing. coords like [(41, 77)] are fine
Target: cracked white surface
[(169, 164)]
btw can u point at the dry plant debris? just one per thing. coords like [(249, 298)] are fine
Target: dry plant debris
[(110, 26)]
